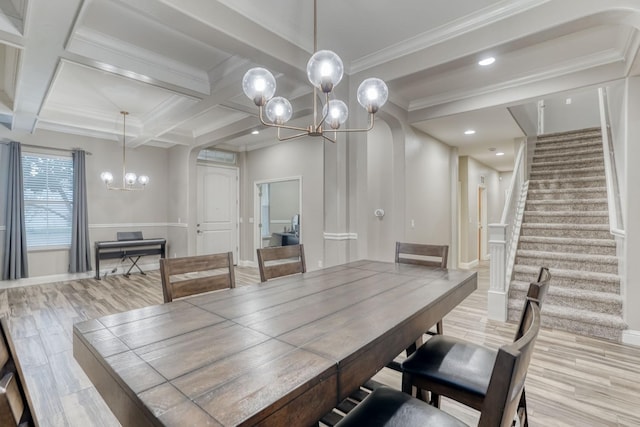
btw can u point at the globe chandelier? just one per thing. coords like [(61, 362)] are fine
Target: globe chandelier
[(324, 70), (130, 181)]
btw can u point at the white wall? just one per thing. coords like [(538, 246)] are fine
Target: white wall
[(582, 113)]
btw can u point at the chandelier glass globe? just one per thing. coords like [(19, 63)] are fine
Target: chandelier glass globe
[(279, 110), (325, 70), (372, 94), (259, 85), (336, 113)]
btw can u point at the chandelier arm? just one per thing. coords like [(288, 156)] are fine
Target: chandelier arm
[(328, 138), (274, 125), (371, 122), (324, 116), (286, 138)]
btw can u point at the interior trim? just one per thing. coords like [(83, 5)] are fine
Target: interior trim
[(340, 236)]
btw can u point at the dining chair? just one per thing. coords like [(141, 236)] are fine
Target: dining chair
[(192, 275), (461, 370), (15, 406), (277, 261), (423, 254), (392, 408)]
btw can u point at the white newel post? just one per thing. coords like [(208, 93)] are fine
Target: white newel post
[(497, 297)]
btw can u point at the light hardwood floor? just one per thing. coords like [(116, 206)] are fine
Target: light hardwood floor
[(573, 380)]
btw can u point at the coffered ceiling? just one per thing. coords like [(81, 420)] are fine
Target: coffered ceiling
[(177, 65)]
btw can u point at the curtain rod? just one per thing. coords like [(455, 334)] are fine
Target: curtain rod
[(69, 150)]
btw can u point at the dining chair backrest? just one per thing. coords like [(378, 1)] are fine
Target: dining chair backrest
[(422, 254), (15, 404), (509, 372), (280, 261), (192, 275), (537, 293)]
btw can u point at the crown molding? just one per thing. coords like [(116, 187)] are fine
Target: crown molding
[(451, 30)]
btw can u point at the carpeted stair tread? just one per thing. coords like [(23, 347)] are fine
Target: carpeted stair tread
[(569, 241), (573, 274), (571, 293), (570, 135), (570, 180), (568, 213), (566, 226), (593, 170), (581, 162), (551, 148), (583, 316), (583, 150), (566, 201), (587, 190), (563, 256)]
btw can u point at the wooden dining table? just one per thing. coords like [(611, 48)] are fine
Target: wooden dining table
[(284, 352)]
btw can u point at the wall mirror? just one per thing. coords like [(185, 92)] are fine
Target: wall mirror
[(278, 212)]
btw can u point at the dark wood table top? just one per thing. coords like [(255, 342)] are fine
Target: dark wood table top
[(282, 352)]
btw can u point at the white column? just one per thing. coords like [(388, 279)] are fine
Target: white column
[(497, 296)]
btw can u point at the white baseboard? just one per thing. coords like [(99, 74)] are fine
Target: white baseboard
[(631, 337), (468, 265), (247, 263)]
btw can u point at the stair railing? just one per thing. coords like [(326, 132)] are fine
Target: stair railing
[(503, 237), (616, 225)]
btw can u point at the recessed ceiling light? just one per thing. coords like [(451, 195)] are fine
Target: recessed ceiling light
[(499, 153), (469, 132), (255, 132), (487, 61)]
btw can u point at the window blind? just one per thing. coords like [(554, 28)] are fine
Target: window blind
[(48, 199)]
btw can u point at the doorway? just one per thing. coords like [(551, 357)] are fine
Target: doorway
[(217, 206), (278, 208)]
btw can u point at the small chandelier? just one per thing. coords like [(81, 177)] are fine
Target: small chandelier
[(324, 71), (130, 181)]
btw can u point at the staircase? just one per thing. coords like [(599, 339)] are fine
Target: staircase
[(566, 228)]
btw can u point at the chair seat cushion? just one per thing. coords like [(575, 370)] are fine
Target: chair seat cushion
[(392, 408), (453, 363)]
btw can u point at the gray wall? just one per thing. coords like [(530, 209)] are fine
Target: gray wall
[(380, 167), (300, 157), (471, 172), (582, 113), (631, 266), (617, 99)]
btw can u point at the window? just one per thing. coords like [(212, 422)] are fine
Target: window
[(217, 156), (48, 199)]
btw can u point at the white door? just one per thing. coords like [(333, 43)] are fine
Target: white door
[(217, 227)]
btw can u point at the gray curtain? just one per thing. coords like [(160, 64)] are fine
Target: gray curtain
[(80, 252), (15, 242)]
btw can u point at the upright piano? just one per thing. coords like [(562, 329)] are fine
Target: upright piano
[(130, 245)]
